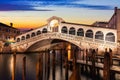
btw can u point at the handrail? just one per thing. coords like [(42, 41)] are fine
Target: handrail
[(64, 36)]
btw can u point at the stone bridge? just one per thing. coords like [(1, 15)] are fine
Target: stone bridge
[(83, 36), (81, 42)]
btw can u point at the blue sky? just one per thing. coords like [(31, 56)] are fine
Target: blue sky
[(33, 13), (10, 5)]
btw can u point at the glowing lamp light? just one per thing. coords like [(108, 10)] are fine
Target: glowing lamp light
[(54, 23), (11, 40)]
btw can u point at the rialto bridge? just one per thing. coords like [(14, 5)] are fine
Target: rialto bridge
[(81, 35)]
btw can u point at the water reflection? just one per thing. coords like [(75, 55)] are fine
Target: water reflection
[(6, 67)]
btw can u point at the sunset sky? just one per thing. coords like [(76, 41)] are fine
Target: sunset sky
[(34, 13)]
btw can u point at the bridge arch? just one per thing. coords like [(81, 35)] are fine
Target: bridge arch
[(64, 29), (38, 32), (27, 36), (40, 41), (89, 33), (44, 30), (110, 37), (80, 32), (99, 35), (33, 34), (23, 38), (18, 39), (23, 46), (72, 31)]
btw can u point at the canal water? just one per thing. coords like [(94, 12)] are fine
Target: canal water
[(6, 66)]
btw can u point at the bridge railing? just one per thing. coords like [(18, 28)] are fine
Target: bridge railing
[(67, 37), (88, 39), (99, 41), (49, 35), (110, 43)]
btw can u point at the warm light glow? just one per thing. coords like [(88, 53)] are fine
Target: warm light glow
[(54, 23), (11, 64), (11, 40), (69, 51)]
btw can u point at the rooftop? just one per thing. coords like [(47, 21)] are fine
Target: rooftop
[(5, 25)]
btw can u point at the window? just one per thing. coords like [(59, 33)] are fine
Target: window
[(23, 38), (89, 34), (33, 34), (44, 30), (18, 39), (110, 37), (28, 36), (99, 35), (38, 32), (72, 31), (80, 32), (64, 29)]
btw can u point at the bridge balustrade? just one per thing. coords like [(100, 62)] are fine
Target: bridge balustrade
[(99, 41), (110, 43), (88, 39), (68, 37)]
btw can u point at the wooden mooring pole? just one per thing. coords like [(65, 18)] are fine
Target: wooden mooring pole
[(66, 64), (24, 69), (76, 68), (93, 71), (61, 62), (14, 66), (48, 64), (53, 65), (39, 68), (106, 69)]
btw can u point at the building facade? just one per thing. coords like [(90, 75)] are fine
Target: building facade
[(7, 34)]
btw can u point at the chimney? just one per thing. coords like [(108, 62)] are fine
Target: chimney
[(115, 10), (11, 24)]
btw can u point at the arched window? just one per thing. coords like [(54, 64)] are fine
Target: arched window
[(64, 29), (38, 32), (23, 38), (89, 34), (99, 35), (44, 30), (72, 31), (18, 39), (28, 36), (80, 32), (110, 37), (33, 34)]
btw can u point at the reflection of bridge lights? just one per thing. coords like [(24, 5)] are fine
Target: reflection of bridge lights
[(118, 43), (69, 51), (51, 51), (11, 65)]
